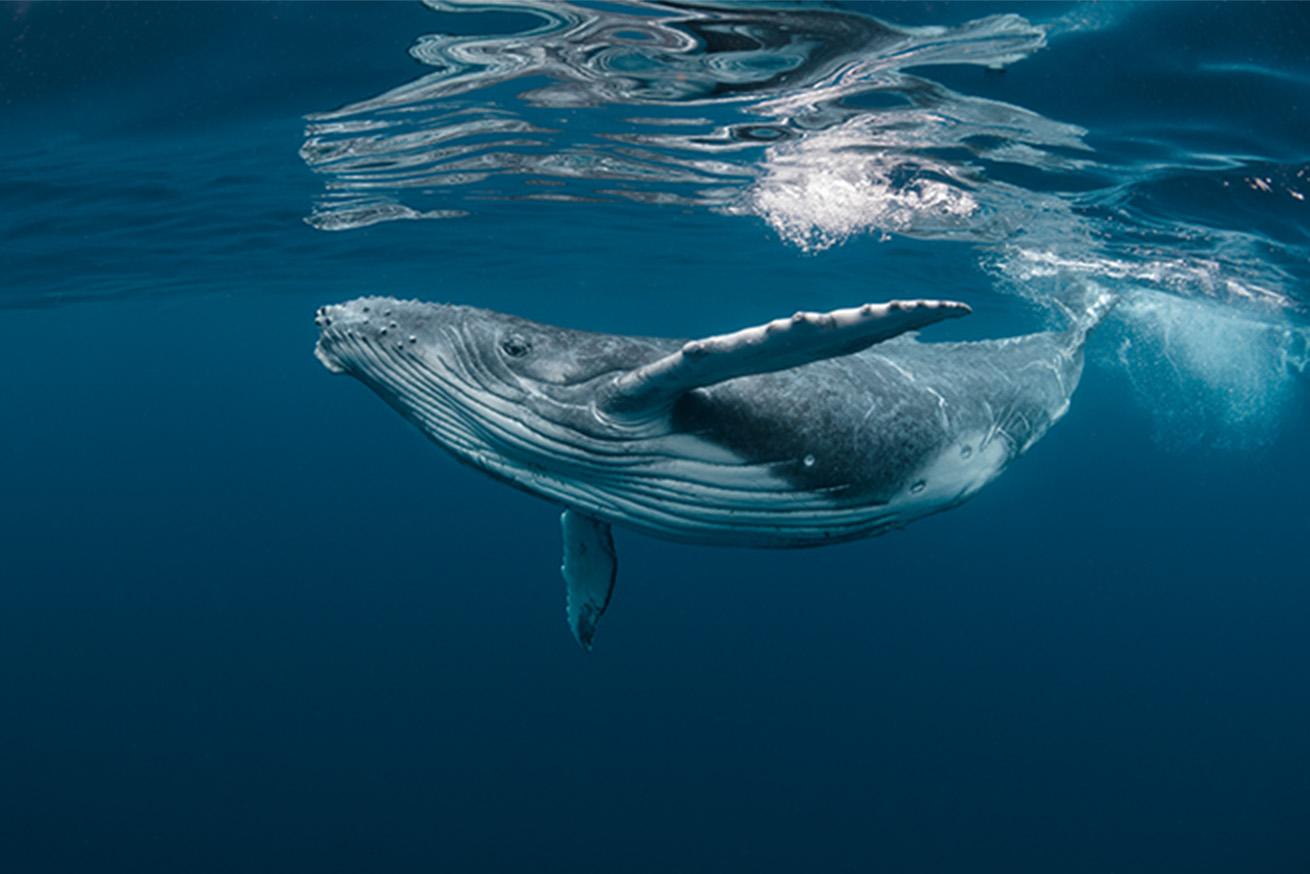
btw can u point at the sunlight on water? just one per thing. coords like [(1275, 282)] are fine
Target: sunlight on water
[(738, 107)]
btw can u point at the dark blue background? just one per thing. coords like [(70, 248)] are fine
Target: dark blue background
[(251, 621)]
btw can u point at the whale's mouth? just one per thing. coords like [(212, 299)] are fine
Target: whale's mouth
[(323, 352), (330, 324), (325, 357)]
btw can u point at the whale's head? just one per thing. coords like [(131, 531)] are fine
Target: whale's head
[(495, 389)]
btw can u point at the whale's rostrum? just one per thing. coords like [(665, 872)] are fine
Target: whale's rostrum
[(812, 429)]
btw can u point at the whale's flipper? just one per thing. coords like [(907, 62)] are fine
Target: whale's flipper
[(589, 570), (777, 345)]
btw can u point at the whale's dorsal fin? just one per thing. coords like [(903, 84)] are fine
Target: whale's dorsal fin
[(777, 345), (589, 569)]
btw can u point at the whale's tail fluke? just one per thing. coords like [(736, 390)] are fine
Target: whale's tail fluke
[(1085, 306)]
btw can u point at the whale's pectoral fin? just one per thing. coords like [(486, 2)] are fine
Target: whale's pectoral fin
[(778, 345), (589, 570)]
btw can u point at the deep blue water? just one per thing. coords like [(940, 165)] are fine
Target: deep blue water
[(251, 620)]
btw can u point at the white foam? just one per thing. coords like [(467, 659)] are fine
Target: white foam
[(1192, 277), (818, 195), (1210, 375)]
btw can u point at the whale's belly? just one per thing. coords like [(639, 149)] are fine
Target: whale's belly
[(731, 501), (837, 450)]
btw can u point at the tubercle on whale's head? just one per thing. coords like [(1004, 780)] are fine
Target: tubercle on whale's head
[(365, 337)]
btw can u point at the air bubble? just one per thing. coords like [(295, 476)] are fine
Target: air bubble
[(966, 450), (918, 487), (808, 461)]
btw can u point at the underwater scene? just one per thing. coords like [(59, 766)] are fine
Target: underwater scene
[(647, 436)]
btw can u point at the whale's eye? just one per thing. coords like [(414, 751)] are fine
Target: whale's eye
[(515, 346)]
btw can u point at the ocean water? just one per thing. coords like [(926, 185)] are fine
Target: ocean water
[(251, 620)]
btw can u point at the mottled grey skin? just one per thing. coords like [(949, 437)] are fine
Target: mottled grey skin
[(870, 422), (832, 450)]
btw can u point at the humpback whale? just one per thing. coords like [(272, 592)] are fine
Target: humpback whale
[(811, 429)]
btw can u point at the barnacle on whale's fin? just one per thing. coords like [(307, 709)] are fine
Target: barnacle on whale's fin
[(589, 570), (777, 345)]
